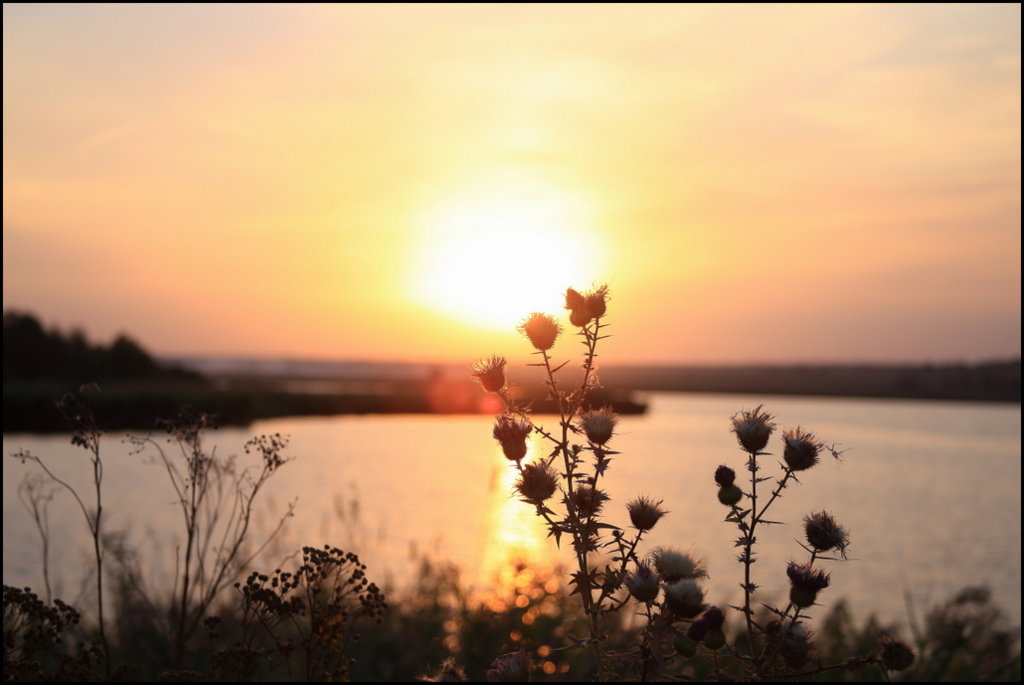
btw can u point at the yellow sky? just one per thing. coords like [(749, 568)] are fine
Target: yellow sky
[(756, 183)]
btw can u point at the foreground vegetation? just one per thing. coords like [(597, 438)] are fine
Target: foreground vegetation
[(625, 610)]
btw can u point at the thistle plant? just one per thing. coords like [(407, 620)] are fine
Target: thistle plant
[(664, 585)]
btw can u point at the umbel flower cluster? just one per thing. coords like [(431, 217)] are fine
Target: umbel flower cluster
[(664, 586)]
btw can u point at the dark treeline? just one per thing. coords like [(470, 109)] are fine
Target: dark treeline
[(33, 353)]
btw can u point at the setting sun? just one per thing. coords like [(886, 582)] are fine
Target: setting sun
[(493, 254)]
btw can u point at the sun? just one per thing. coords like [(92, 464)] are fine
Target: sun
[(492, 254)]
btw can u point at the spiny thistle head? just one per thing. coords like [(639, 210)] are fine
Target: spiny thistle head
[(597, 301), (537, 482), (510, 668), (725, 476), (512, 432), (794, 642), (599, 425), (645, 513), (673, 565), (541, 329), (752, 429), (643, 583), (806, 583), (490, 373), (587, 500), (824, 534), (684, 598), (801, 450), (895, 654)]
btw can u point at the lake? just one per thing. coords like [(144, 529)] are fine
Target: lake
[(930, 492)]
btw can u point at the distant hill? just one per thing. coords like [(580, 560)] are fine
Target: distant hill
[(32, 353)]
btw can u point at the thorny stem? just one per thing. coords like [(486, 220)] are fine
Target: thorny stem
[(578, 530), (748, 548)]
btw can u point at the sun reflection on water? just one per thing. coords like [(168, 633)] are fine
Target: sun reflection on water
[(519, 560)]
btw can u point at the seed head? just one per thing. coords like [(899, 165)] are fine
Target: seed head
[(752, 429), (490, 373), (587, 500), (824, 534), (801, 451), (895, 654), (510, 668), (806, 583), (599, 425), (644, 513), (512, 432), (684, 598), (643, 583), (725, 476), (537, 483), (541, 329), (673, 565)]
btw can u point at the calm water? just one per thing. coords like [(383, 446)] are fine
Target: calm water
[(930, 492)]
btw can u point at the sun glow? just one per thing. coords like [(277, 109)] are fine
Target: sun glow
[(494, 254)]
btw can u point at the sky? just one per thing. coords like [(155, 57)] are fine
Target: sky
[(758, 183)]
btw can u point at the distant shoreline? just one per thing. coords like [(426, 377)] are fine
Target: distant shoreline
[(284, 389)]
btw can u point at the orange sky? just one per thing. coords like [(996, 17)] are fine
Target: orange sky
[(756, 183)]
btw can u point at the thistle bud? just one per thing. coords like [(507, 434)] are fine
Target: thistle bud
[(490, 373), (714, 617), (644, 513), (672, 565), (895, 654), (794, 643), (580, 317), (729, 495), (599, 425), (725, 476), (541, 329), (806, 583), (685, 646), (824, 534), (684, 598), (537, 482), (512, 433), (643, 583), (801, 451), (587, 500), (752, 429), (715, 639), (510, 668), (697, 630)]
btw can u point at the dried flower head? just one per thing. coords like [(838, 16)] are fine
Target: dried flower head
[(587, 500), (510, 668), (643, 583), (806, 583), (801, 450), (824, 534), (448, 672), (512, 432), (490, 373), (684, 598), (541, 329), (673, 565), (597, 301), (895, 654), (599, 425), (573, 299), (537, 482), (644, 513), (752, 429), (725, 476)]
